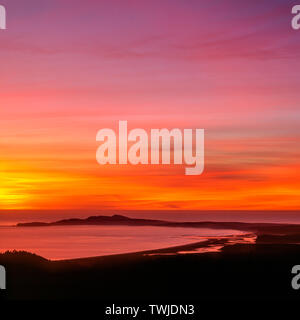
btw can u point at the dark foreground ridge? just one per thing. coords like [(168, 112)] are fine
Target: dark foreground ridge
[(261, 271)]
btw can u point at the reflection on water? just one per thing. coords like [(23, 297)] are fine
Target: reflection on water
[(210, 248), (207, 246), (235, 239), (70, 242)]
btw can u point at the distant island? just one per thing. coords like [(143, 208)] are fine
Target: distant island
[(258, 228)]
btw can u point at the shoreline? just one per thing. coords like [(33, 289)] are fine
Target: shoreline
[(209, 241), (249, 233)]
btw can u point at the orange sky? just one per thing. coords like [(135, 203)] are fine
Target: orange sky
[(65, 74)]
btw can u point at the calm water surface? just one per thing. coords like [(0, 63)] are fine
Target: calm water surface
[(60, 242)]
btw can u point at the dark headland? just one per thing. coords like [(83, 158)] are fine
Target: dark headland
[(259, 228), (240, 271)]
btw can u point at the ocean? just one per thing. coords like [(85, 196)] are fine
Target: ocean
[(69, 242)]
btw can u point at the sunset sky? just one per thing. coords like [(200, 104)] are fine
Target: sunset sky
[(69, 68)]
